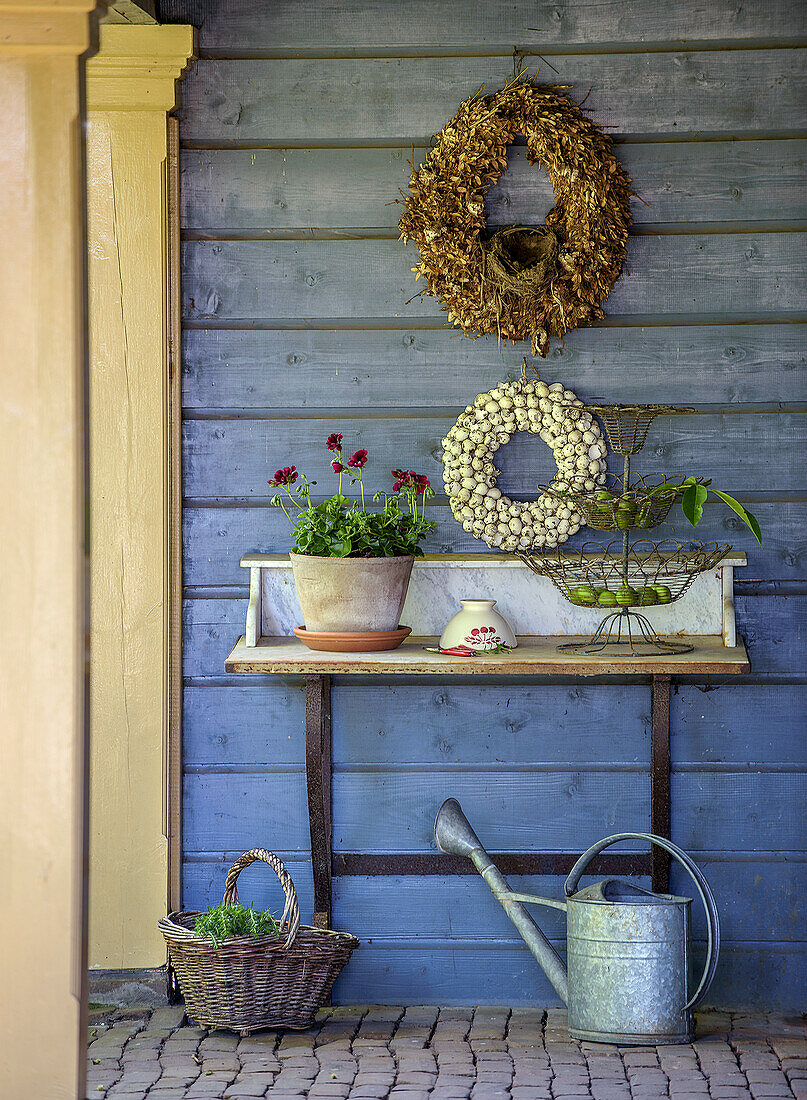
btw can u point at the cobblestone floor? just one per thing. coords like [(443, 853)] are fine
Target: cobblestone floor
[(377, 1052)]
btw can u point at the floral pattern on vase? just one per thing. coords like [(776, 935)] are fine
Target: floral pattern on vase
[(484, 637)]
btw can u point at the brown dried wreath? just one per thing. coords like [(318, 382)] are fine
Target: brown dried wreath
[(519, 283)]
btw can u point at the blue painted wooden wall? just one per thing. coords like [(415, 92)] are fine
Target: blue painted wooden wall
[(297, 124)]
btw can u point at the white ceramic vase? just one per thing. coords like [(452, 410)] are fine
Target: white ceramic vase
[(478, 626)]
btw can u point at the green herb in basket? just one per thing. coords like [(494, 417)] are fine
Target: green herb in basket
[(225, 921)]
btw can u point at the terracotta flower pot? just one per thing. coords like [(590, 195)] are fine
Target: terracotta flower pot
[(351, 594)]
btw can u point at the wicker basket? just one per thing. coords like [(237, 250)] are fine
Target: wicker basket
[(249, 983)]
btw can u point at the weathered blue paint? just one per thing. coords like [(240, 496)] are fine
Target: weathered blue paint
[(295, 294)]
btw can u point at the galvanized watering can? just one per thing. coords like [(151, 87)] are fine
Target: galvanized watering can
[(628, 949)]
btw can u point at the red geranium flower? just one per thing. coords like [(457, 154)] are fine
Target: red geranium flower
[(359, 460), (338, 468), (287, 476), (334, 441), (401, 479), (421, 483)]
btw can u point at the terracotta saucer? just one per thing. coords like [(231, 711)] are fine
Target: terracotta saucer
[(348, 641)]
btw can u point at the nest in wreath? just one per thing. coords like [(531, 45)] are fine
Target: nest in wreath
[(519, 283), (521, 262)]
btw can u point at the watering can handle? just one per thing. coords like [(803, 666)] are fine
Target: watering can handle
[(704, 891)]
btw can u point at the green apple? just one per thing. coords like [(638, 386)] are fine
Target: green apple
[(583, 596), (606, 598), (663, 594), (625, 513), (626, 596)]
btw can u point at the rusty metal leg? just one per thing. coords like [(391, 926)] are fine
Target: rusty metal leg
[(660, 779), (318, 779)]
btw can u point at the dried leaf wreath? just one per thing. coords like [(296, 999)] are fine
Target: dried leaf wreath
[(519, 283)]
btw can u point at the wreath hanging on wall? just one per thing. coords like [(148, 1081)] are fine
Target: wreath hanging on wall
[(520, 283), (469, 474)]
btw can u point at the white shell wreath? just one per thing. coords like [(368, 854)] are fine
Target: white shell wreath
[(557, 416)]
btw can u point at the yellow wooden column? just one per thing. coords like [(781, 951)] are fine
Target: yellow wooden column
[(130, 88), (42, 706)]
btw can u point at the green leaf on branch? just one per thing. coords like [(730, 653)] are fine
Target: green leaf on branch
[(693, 500), (748, 519)]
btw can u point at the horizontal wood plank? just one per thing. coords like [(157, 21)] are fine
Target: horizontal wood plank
[(428, 725), (735, 811), (752, 726), (775, 631), (303, 25), (748, 726), (252, 724), (684, 183), (363, 370), (747, 274), (216, 537), (233, 459), (541, 812), (751, 977), (758, 900), (401, 100), (378, 812), (233, 813), (203, 883)]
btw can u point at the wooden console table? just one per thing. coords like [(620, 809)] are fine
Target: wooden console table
[(534, 657)]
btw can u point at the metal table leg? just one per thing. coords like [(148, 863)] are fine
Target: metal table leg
[(660, 779), (318, 777), (318, 780)]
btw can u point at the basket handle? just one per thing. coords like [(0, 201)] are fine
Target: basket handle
[(291, 911)]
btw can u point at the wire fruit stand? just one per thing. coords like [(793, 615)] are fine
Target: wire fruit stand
[(633, 574)]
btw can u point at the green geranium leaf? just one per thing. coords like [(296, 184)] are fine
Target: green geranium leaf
[(748, 519)]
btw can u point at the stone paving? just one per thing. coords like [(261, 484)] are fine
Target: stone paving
[(381, 1053)]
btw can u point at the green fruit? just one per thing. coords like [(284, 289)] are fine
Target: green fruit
[(626, 596), (625, 513), (647, 597), (663, 594), (606, 599), (583, 596), (643, 515)]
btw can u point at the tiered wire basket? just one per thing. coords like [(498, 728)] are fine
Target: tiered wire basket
[(627, 574), (617, 506)]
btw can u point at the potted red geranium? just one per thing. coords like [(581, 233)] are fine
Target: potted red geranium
[(351, 564)]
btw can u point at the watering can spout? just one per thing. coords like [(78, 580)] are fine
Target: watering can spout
[(454, 836), (453, 832)]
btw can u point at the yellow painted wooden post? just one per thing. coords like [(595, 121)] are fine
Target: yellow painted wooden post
[(42, 651), (130, 87)]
